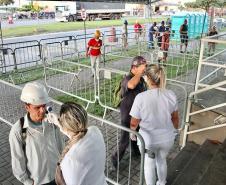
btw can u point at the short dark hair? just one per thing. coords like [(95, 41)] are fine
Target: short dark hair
[(138, 60)]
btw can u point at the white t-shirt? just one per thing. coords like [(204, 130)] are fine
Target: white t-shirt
[(84, 163), (154, 108)]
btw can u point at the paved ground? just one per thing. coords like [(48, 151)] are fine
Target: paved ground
[(12, 109)]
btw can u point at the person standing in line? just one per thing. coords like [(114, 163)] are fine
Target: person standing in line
[(35, 143), (165, 44), (151, 34), (93, 50), (82, 161), (156, 112), (161, 30), (137, 30), (125, 34), (212, 45), (131, 85), (184, 36)]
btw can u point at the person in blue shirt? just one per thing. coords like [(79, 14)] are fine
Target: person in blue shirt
[(151, 33)]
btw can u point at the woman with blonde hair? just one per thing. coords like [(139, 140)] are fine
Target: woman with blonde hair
[(83, 159), (156, 112)]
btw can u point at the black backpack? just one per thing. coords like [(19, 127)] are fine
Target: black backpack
[(23, 134)]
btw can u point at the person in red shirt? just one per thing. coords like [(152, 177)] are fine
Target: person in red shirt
[(93, 50), (165, 44), (137, 30)]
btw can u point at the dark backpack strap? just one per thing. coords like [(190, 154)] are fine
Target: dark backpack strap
[(23, 133)]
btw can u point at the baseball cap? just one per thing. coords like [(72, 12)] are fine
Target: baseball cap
[(138, 60)]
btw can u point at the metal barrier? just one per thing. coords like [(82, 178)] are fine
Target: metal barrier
[(210, 76), (70, 78), (7, 60), (14, 45), (60, 46), (26, 57), (67, 77), (129, 171)]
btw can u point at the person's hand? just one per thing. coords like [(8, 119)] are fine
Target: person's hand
[(53, 118), (133, 137), (140, 71), (87, 54)]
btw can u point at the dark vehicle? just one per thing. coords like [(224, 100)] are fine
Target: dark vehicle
[(46, 15), (22, 16)]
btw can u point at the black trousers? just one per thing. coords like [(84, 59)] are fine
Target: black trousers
[(124, 143), (51, 183)]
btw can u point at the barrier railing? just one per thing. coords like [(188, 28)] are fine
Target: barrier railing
[(70, 78), (128, 171), (19, 44), (210, 76)]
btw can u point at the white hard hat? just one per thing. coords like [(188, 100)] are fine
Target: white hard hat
[(34, 93)]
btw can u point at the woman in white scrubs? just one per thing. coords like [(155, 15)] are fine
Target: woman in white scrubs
[(83, 159), (156, 112)]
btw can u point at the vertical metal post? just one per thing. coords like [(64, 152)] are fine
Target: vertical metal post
[(199, 65), (1, 33), (85, 32)]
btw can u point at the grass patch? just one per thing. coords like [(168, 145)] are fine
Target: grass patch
[(95, 108), (107, 88), (66, 26)]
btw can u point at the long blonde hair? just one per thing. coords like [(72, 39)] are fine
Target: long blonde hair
[(156, 75), (73, 118)]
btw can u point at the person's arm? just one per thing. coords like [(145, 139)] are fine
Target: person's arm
[(18, 159), (175, 119), (181, 28), (163, 42), (87, 50), (135, 113), (134, 123), (132, 83)]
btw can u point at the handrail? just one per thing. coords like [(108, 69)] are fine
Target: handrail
[(207, 87), (214, 86)]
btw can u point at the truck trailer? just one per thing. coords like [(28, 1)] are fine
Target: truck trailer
[(71, 10)]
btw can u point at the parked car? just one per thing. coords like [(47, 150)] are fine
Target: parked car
[(22, 16), (219, 23), (168, 13), (46, 15)]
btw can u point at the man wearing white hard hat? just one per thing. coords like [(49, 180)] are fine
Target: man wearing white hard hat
[(35, 143)]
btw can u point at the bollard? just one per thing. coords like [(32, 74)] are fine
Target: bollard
[(10, 19), (112, 37)]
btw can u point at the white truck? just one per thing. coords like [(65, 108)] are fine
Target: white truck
[(71, 10)]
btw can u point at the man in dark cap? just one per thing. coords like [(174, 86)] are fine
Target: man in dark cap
[(131, 85)]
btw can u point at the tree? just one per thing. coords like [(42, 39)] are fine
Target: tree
[(6, 2), (206, 5)]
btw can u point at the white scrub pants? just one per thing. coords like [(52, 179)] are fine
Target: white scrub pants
[(161, 151), (95, 61)]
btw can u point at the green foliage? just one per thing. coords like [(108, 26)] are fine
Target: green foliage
[(6, 2), (30, 7), (206, 4)]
